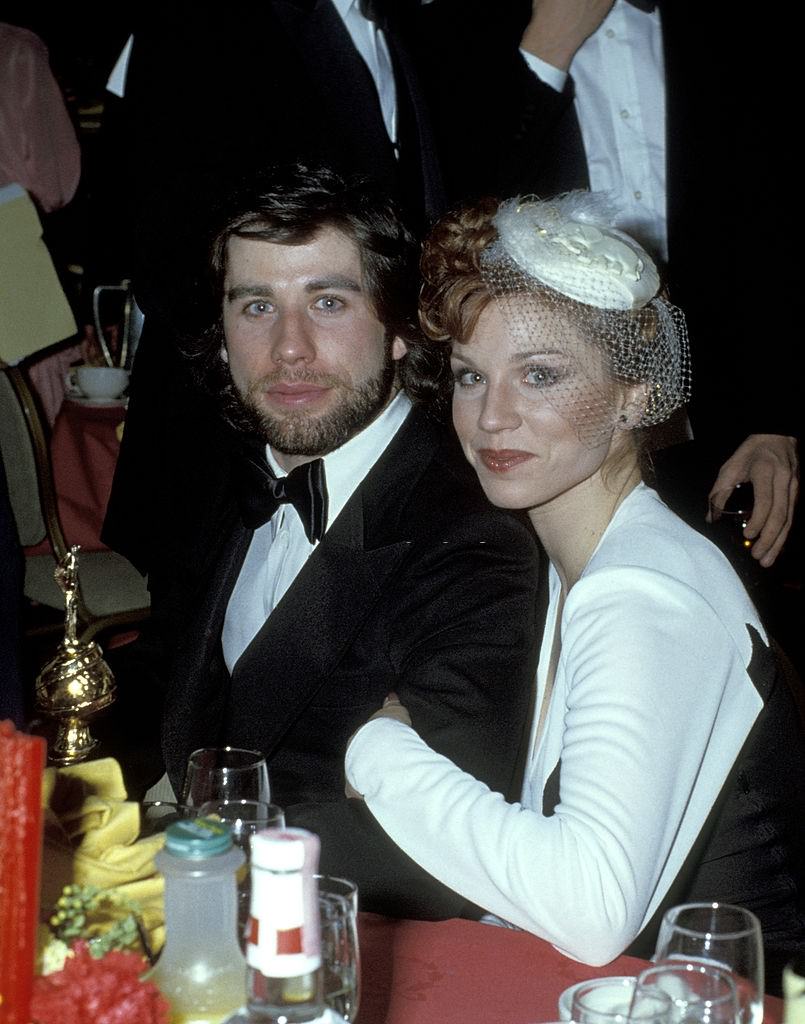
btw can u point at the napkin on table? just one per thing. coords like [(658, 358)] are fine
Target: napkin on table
[(91, 838)]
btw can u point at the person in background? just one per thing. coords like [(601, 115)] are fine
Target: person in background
[(38, 145), (666, 762), (39, 152)]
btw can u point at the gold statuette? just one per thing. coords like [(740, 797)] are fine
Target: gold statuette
[(76, 683)]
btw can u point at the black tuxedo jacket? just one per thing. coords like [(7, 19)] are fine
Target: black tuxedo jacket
[(214, 94), (420, 587)]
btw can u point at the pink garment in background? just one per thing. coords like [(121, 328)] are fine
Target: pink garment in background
[(38, 145)]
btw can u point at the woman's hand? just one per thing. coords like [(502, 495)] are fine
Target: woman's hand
[(392, 708)]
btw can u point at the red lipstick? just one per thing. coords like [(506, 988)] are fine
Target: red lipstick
[(503, 460)]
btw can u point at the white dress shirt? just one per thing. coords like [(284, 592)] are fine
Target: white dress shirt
[(280, 548), (367, 38), (619, 78)]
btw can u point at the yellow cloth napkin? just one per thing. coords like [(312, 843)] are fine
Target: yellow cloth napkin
[(91, 832)]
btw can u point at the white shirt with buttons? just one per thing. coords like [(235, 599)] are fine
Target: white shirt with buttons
[(619, 78)]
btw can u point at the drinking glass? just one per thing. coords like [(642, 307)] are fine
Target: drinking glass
[(338, 907), (244, 817), (596, 1003), (225, 773), (718, 935), (157, 815), (700, 993)]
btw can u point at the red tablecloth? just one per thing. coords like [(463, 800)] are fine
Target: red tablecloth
[(84, 449), (463, 972)]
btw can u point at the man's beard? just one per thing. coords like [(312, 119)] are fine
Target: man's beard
[(300, 433)]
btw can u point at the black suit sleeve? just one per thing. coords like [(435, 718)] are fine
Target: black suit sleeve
[(463, 651)]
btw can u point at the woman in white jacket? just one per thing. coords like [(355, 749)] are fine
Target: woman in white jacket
[(665, 763)]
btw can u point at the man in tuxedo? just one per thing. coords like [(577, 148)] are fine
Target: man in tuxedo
[(666, 107), (346, 551), (208, 97)]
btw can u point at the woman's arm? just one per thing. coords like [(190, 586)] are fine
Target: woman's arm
[(651, 714)]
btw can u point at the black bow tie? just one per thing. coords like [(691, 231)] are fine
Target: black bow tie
[(304, 487)]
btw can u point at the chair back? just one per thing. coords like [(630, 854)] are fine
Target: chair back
[(25, 456), (18, 458)]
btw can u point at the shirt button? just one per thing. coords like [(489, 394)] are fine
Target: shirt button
[(638, 194), (624, 114), (610, 34)]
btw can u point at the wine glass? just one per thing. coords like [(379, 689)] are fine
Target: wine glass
[(244, 817), (700, 993), (338, 907), (157, 815), (718, 935), (225, 773), (595, 1002)]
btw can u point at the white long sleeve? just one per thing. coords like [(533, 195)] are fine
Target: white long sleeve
[(651, 705)]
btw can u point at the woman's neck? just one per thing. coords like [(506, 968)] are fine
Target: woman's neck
[(571, 525)]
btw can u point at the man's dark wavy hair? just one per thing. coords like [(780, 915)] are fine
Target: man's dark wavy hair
[(289, 205)]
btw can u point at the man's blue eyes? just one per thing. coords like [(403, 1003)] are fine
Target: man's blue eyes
[(257, 308), (325, 303)]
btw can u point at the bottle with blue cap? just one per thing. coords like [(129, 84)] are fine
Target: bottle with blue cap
[(201, 970)]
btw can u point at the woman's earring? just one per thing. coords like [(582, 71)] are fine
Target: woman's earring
[(224, 354)]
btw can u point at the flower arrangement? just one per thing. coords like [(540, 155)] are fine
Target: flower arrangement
[(97, 979), (98, 990)]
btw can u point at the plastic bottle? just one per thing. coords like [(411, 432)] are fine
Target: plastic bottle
[(201, 970)]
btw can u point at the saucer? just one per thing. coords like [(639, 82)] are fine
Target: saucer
[(83, 400)]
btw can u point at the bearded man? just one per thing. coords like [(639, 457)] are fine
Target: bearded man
[(348, 552)]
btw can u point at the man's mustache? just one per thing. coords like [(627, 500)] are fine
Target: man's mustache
[(327, 380)]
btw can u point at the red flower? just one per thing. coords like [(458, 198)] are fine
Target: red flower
[(105, 991)]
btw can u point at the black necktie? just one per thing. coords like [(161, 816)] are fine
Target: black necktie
[(644, 5), (304, 487)]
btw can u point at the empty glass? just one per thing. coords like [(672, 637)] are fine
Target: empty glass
[(718, 935), (700, 993), (338, 908), (596, 1003), (157, 815), (244, 817), (225, 773)]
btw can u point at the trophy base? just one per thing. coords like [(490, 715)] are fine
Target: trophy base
[(73, 743)]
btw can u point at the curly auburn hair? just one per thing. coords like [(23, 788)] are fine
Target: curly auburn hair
[(453, 293)]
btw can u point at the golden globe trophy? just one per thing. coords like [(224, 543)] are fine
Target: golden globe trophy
[(76, 683)]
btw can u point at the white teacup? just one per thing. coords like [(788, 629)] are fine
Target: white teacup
[(97, 381)]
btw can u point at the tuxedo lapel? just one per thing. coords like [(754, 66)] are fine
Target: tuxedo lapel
[(304, 638), (338, 76), (419, 164), (198, 689)]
